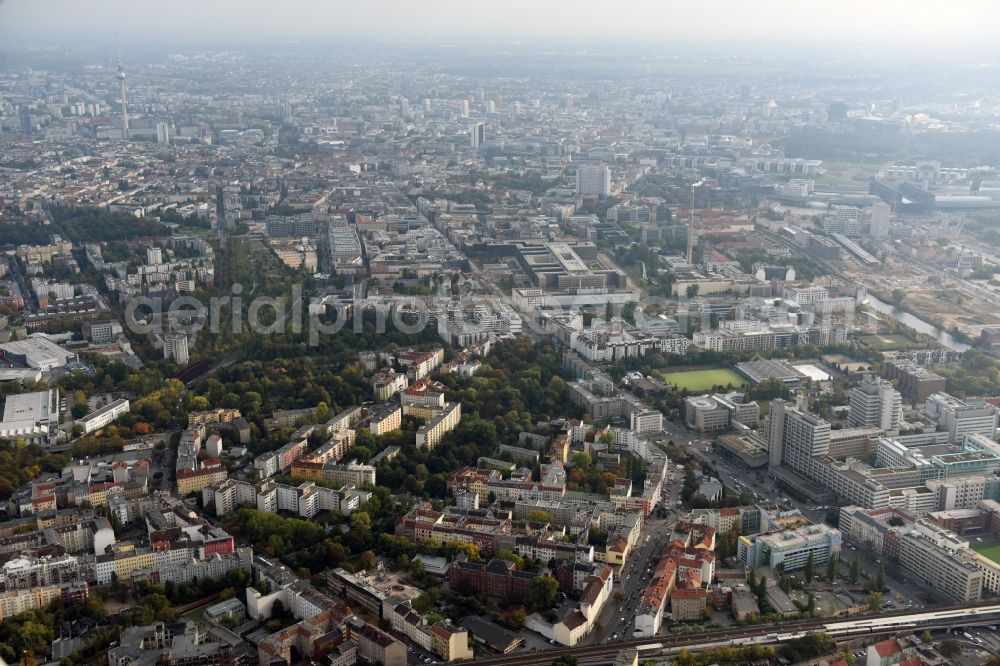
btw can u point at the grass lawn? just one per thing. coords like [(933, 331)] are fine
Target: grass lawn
[(196, 614), (990, 550), (703, 380), (888, 342)]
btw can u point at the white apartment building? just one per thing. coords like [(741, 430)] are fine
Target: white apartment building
[(593, 180), (387, 384), (175, 346), (960, 418), (795, 437), (805, 295), (444, 421), (875, 403), (646, 421), (103, 416)]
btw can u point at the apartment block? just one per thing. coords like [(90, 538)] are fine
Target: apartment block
[(195, 480), (385, 420), (440, 422), (103, 416), (387, 383), (949, 573)]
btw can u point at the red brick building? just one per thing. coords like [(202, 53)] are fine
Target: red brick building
[(496, 578)]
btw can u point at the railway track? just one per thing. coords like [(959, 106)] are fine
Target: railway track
[(875, 625)]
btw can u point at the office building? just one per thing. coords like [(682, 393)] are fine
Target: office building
[(878, 220), (646, 421), (477, 138), (103, 332), (964, 492), (24, 116), (704, 414), (875, 403), (795, 437), (844, 220), (960, 417), (789, 550), (593, 180), (949, 572), (301, 225), (741, 412), (344, 246), (878, 530)]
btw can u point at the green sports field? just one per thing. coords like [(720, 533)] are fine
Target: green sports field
[(990, 550), (703, 380), (887, 342)]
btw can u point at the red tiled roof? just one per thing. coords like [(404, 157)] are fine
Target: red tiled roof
[(592, 591), (575, 620), (887, 648)]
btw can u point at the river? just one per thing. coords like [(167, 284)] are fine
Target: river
[(918, 325)]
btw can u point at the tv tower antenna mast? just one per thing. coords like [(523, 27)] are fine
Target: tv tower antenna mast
[(121, 80)]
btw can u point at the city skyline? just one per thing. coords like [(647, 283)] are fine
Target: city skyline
[(513, 334)]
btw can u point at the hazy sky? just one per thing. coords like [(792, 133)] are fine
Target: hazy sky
[(849, 21)]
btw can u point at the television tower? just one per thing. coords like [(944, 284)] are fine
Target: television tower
[(121, 79)]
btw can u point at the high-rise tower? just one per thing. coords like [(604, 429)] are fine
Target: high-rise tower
[(478, 136), (593, 180), (876, 403), (795, 437), (121, 80), (690, 229)]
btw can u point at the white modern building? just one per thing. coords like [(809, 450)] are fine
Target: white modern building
[(795, 437), (175, 346), (593, 180), (878, 220), (876, 403), (844, 220), (790, 550), (960, 417), (103, 416)]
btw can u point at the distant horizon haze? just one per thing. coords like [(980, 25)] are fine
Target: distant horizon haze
[(882, 26)]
